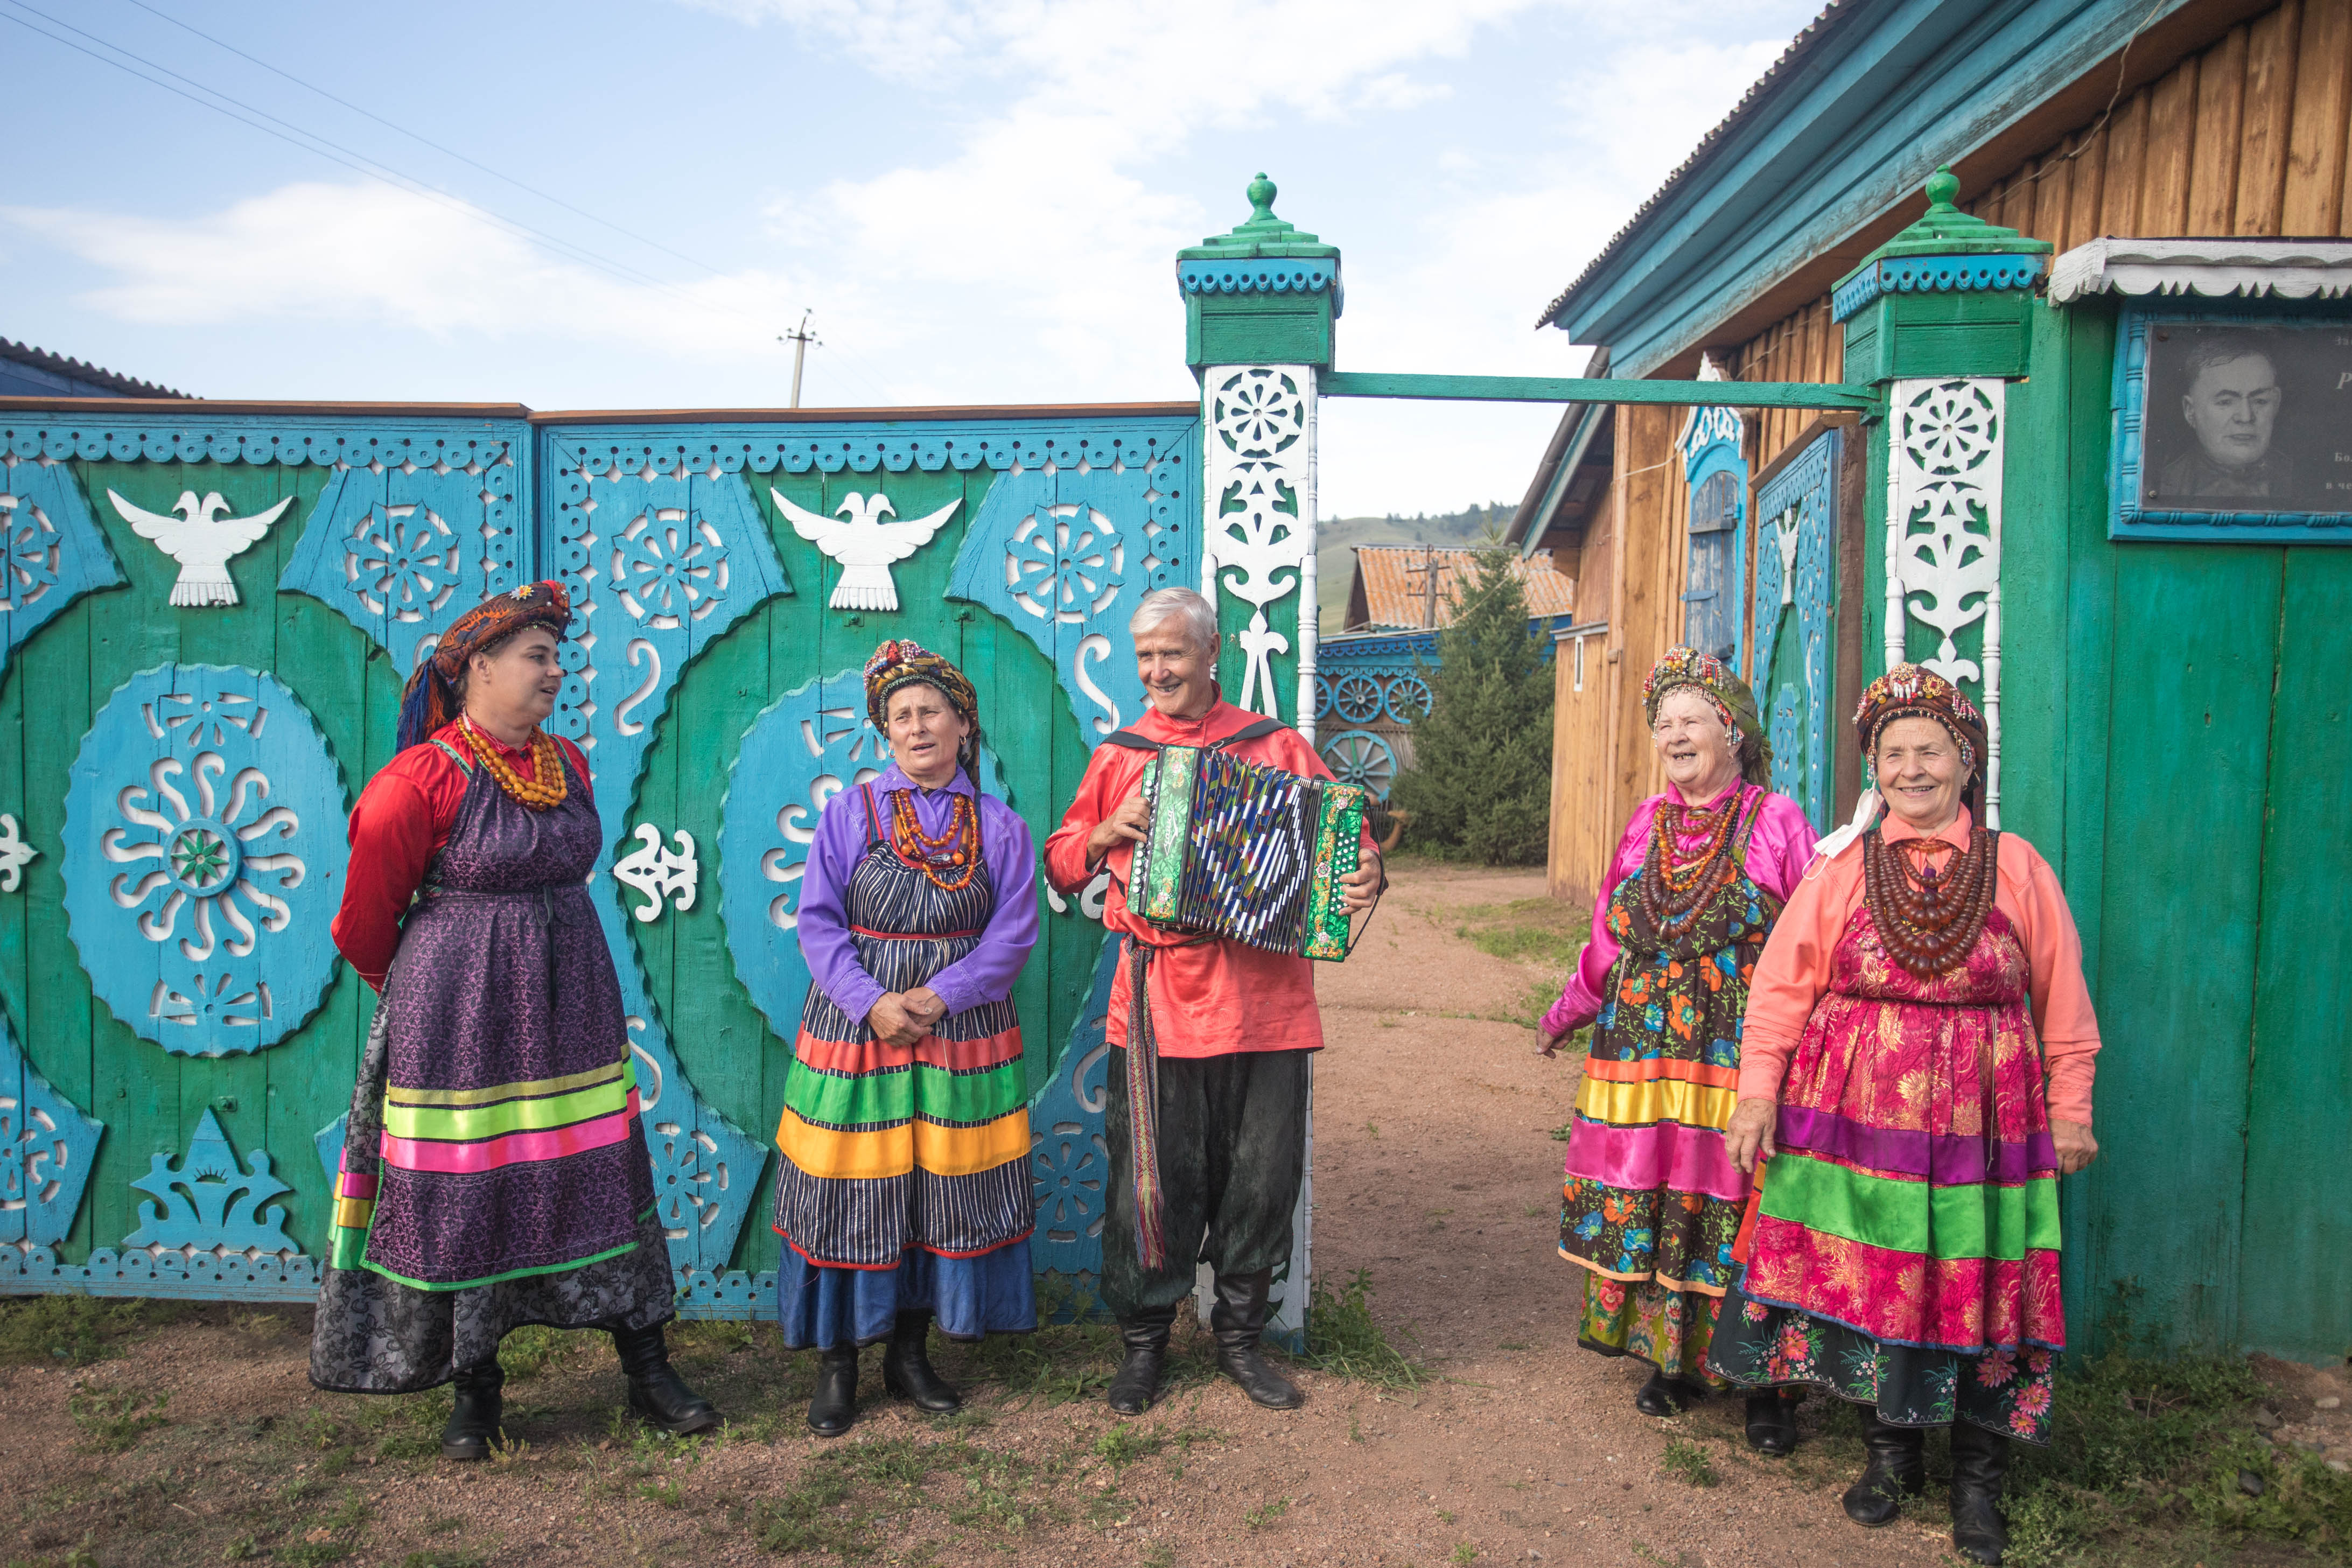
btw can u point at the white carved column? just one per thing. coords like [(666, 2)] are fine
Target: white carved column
[(1257, 424), (1946, 439)]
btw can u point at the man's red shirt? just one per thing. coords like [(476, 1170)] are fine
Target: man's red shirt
[(1212, 998)]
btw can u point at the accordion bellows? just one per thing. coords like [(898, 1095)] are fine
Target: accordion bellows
[(1251, 854)]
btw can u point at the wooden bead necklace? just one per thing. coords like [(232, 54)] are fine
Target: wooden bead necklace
[(1929, 920), (957, 850), (1675, 889), (546, 788)]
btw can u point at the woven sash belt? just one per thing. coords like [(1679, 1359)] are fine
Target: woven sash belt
[(1143, 1102)]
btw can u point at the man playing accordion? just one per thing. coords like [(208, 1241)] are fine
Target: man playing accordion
[(1207, 1112)]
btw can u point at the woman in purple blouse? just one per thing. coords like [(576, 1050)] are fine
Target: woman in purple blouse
[(904, 1192)]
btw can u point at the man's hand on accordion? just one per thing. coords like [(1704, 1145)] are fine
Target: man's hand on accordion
[(1130, 821), (1363, 885)]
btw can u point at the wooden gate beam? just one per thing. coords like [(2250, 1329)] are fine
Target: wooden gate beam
[(1578, 389)]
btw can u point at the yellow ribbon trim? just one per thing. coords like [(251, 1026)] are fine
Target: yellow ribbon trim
[(895, 1151), (1660, 1099)]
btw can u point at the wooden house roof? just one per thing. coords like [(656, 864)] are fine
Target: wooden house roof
[(1391, 586), (30, 370)]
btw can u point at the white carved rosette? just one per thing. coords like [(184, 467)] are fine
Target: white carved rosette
[(1258, 538), (204, 858), (1943, 537)]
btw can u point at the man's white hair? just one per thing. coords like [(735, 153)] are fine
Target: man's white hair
[(1199, 616)]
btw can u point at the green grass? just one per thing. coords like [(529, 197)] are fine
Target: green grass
[(75, 1331), (1266, 1513), (1687, 1461), (1342, 1339), (112, 1421), (2151, 1458), (1547, 932)]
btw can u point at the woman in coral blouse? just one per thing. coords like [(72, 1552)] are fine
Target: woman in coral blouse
[(1918, 1070), (1651, 1202)]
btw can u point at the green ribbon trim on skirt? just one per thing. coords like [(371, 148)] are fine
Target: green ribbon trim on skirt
[(891, 1096), (1982, 1220)]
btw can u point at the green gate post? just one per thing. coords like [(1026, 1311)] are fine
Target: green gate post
[(1259, 304), (1937, 319)]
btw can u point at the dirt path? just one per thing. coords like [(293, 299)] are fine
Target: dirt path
[(1434, 1172)]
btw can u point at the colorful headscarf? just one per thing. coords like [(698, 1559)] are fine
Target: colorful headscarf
[(901, 661), (1726, 693), (430, 700), (1913, 692)]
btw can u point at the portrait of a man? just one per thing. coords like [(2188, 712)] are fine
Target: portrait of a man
[(2231, 405)]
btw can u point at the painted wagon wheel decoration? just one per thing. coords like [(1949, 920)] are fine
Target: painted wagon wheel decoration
[(1360, 757), (204, 858), (1357, 697), (1322, 696), (1408, 698)]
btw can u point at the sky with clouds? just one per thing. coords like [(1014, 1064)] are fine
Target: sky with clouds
[(621, 204)]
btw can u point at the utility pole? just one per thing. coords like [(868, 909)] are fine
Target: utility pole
[(800, 341), (1428, 572)]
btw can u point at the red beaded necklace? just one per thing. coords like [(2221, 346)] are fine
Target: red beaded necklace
[(1673, 888), (957, 850), (1928, 920)]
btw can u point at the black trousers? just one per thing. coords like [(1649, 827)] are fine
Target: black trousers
[(1232, 1149)]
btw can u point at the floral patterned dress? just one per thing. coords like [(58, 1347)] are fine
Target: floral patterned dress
[(1906, 1247), (1652, 1202)]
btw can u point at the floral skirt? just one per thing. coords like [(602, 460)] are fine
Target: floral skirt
[(2002, 1390), (1653, 1323)]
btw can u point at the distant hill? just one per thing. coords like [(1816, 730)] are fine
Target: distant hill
[(1335, 561)]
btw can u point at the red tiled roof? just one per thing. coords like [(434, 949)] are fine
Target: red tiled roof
[(1395, 592)]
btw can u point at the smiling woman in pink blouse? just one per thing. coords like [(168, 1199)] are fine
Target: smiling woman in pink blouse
[(1652, 1201), (1917, 1072)]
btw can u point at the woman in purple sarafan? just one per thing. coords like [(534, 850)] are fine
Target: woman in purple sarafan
[(494, 1172)]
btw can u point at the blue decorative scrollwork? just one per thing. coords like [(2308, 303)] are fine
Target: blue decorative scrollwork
[(210, 1204), (50, 552), (803, 749), (1069, 1158), (402, 551), (1064, 553), (1360, 757), (1793, 601), (203, 857), (47, 1149), (1408, 698)]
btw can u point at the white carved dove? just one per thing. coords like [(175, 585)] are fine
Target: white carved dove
[(857, 536), (201, 541)]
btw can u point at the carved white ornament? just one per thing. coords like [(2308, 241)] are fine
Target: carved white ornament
[(2217, 268), (658, 873), (857, 536), (1943, 536), (1258, 538), (15, 855), (202, 540)]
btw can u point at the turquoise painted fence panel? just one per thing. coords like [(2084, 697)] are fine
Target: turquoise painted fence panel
[(1796, 531)]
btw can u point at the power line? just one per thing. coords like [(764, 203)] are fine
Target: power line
[(360, 164), (438, 147)]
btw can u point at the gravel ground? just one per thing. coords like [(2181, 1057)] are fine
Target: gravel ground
[(1434, 1172)]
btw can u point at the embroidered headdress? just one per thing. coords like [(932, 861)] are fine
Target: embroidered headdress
[(1726, 693), (430, 700), (902, 661), (1913, 692)]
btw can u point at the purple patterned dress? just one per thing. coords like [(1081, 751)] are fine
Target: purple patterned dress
[(494, 1171)]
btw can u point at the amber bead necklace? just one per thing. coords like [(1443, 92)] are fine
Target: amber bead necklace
[(546, 788), (1673, 889), (950, 860), (1930, 919)]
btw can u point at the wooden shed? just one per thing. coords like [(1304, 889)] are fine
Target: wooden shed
[(2149, 203)]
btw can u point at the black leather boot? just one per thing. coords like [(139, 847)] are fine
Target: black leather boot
[(1897, 1469), (834, 1405), (1238, 1318), (1771, 1422), (1662, 1395), (1137, 1382), (656, 1393), (1979, 1461), (907, 1367), (473, 1429)]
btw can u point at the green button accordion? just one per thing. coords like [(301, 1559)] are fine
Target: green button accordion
[(1251, 854)]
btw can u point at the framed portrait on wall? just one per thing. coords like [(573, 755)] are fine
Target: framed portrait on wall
[(2232, 426)]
